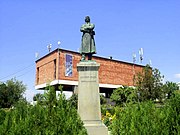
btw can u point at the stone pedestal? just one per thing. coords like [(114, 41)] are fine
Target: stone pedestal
[(89, 99)]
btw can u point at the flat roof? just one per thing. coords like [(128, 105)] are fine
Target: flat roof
[(60, 49)]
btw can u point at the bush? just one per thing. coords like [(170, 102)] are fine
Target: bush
[(73, 100), (146, 118), (172, 113), (2, 116), (54, 117), (137, 119), (123, 95)]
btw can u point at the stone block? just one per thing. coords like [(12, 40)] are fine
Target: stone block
[(89, 99)]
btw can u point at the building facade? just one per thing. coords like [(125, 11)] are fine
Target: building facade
[(59, 67)]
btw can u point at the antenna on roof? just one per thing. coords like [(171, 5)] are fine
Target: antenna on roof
[(141, 54), (134, 60), (49, 47), (110, 57), (59, 42), (36, 55), (134, 57), (150, 63)]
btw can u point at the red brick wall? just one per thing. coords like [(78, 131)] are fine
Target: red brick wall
[(46, 68), (110, 72), (115, 72)]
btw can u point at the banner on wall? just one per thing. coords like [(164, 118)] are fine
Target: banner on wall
[(69, 65)]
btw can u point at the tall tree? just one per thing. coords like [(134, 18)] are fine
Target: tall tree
[(124, 95), (10, 92), (169, 88), (149, 84)]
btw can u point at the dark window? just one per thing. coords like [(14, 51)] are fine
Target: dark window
[(38, 75), (55, 69)]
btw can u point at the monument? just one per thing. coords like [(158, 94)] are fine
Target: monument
[(87, 44), (88, 84)]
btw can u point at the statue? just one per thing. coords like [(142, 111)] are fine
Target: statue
[(87, 44)]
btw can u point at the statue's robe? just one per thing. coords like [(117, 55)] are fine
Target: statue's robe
[(88, 43)]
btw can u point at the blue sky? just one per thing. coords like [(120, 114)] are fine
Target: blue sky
[(122, 28)]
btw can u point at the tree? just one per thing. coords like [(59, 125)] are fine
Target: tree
[(169, 88), (124, 95), (149, 84), (10, 92)]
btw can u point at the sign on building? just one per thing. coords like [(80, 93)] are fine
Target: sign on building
[(69, 65)]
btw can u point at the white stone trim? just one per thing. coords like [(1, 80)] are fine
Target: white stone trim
[(68, 82), (40, 86), (109, 85)]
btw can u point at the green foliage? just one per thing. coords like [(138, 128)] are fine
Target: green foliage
[(2, 116), (149, 84), (73, 100), (145, 118), (107, 107), (102, 99), (39, 97), (171, 111), (123, 95), (107, 119), (139, 121), (136, 113), (169, 88), (56, 116), (11, 92)]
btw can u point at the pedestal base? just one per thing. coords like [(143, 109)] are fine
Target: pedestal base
[(94, 129), (89, 99)]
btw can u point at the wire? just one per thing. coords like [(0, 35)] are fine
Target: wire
[(12, 74), (25, 73)]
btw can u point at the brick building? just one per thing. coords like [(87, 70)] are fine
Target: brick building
[(59, 67)]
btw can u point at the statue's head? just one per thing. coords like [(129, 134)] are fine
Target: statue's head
[(87, 19)]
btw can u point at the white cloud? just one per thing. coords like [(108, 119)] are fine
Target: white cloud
[(177, 75)]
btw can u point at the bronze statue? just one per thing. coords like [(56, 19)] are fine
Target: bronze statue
[(87, 44)]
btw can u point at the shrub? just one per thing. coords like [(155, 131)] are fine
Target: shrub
[(73, 100), (2, 116), (136, 119), (172, 113), (107, 119), (146, 118), (54, 117), (123, 95)]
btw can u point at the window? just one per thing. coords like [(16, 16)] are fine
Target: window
[(55, 69), (37, 75), (68, 65)]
